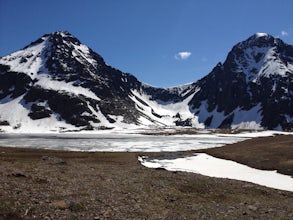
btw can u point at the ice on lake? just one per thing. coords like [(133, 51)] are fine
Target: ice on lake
[(109, 142), (122, 141)]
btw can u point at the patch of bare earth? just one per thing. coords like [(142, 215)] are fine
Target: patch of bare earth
[(40, 184)]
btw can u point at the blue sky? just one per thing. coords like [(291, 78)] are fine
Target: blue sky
[(161, 42)]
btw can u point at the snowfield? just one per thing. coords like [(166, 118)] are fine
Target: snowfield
[(214, 167)]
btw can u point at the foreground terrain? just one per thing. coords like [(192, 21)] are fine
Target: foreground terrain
[(45, 184)]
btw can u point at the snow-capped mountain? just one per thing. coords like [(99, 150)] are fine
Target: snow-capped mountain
[(253, 88), (58, 84)]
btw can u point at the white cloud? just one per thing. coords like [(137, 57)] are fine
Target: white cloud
[(182, 55), (284, 33)]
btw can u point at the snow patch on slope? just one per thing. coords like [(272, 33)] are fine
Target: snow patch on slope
[(163, 113), (242, 119), (20, 121), (214, 167), (204, 114), (273, 66), (46, 82), (29, 60), (83, 51), (260, 62), (247, 119)]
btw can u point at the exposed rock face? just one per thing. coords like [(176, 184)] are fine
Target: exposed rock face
[(58, 83)]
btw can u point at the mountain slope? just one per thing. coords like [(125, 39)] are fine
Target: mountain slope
[(58, 84)]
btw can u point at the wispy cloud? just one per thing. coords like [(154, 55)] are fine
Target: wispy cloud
[(284, 33), (182, 55)]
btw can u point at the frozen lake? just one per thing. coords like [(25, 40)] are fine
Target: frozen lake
[(122, 142), (112, 142)]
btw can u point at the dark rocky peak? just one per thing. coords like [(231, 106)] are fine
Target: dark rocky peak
[(66, 54), (64, 42), (60, 37), (259, 40), (56, 38)]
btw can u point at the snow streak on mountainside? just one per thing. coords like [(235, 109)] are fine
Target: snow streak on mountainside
[(58, 84)]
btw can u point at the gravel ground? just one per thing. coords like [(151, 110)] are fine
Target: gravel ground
[(42, 184)]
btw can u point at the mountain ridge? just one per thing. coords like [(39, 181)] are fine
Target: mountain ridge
[(56, 83)]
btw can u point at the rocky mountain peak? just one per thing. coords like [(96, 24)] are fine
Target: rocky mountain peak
[(253, 86), (68, 55), (61, 33), (62, 38), (259, 40), (55, 38), (55, 53), (261, 55)]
